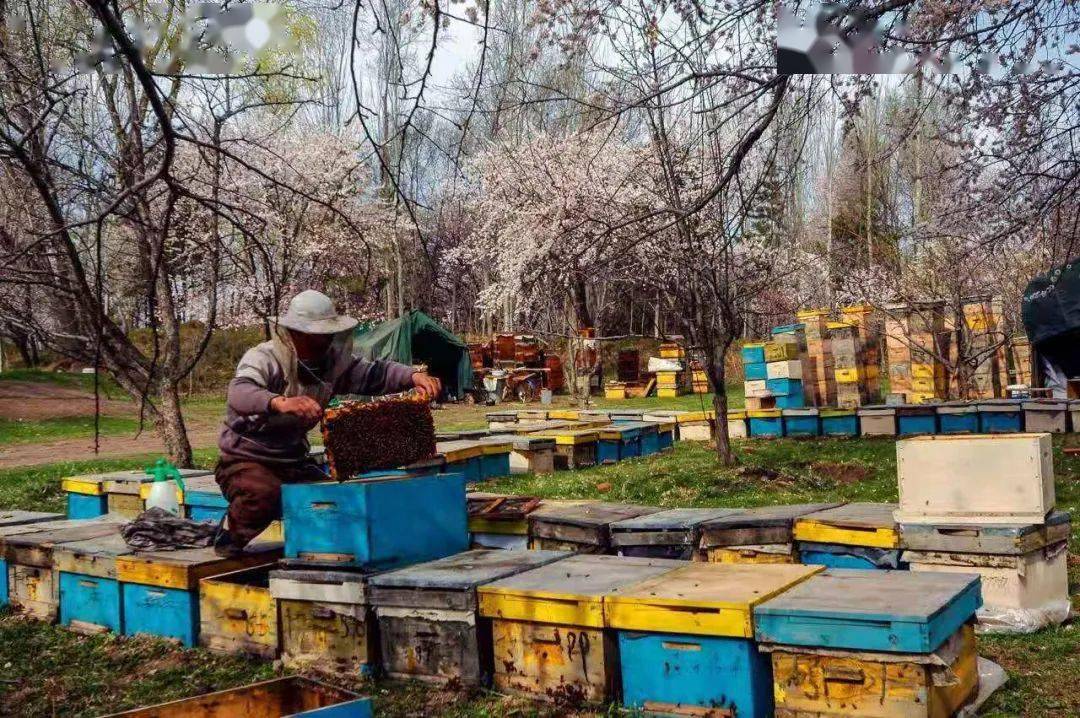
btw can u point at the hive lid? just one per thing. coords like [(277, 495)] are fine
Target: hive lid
[(567, 592), (183, 568), (588, 514), (714, 599), (526, 442), (466, 570), (854, 524), (895, 611), (666, 520), (19, 518)]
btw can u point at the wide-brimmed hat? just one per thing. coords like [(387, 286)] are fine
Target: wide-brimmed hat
[(312, 312)]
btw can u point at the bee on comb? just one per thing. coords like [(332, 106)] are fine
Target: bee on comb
[(378, 433)]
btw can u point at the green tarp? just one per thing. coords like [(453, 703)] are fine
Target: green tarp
[(416, 338)]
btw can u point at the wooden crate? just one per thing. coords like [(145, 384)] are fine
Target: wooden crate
[(753, 553), (428, 621), (697, 622), (160, 589), (574, 448), (529, 454), (814, 681), (582, 527), (1045, 416), (665, 534), (359, 523), (975, 479), (764, 525), (325, 621), (294, 697), (548, 631), (1005, 539), (238, 614), (894, 611), (1020, 592)]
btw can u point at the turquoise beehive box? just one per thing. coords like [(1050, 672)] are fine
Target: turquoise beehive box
[(381, 522), (891, 611)]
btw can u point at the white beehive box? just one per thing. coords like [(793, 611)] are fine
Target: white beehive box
[(975, 479), (784, 369), (756, 388)]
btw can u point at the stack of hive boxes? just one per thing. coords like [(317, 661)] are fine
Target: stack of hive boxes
[(755, 377), (784, 371), (670, 384), (699, 380), (914, 337), (1020, 348), (984, 341), (818, 377), (856, 358), (985, 505), (868, 330)]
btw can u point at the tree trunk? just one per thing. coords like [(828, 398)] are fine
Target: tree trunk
[(170, 424), (722, 441)]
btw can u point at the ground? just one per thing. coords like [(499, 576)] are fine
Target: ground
[(70, 674)]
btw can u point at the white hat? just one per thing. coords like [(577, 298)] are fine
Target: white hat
[(312, 312)]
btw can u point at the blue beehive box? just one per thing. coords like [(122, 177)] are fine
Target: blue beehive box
[(839, 422), (89, 590), (958, 418), (785, 387), (84, 506), (767, 423), (377, 522), (914, 420), (891, 611), (753, 354), (801, 422), (665, 435), (495, 462), (462, 456), (650, 438), (833, 555), (203, 500), (755, 371), (618, 442), (1004, 416), (791, 401), (786, 329)]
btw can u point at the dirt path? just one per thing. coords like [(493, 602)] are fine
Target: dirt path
[(50, 452), (34, 401)]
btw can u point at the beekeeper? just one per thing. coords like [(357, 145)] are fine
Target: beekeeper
[(278, 395)]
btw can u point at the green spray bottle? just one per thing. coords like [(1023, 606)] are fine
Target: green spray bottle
[(162, 493)]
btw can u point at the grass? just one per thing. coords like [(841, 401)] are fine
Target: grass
[(108, 387), (85, 675), (65, 427)]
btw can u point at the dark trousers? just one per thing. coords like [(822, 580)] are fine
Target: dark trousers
[(253, 490)]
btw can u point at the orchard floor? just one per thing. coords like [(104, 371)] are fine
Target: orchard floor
[(46, 671)]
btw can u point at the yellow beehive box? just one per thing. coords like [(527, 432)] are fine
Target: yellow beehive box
[(612, 391), (669, 393), (922, 370), (822, 682), (854, 524), (238, 614), (701, 599), (671, 351), (753, 553), (848, 376), (565, 414), (781, 351), (548, 625), (974, 479)]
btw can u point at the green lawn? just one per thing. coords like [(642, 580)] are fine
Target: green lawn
[(82, 675), (66, 427), (108, 388)]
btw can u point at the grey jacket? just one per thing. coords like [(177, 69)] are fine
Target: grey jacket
[(253, 432)]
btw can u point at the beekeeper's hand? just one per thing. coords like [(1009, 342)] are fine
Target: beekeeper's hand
[(428, 386), (306, 409)]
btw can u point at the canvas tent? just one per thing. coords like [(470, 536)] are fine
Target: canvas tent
[(1051, 312), (416, 338)]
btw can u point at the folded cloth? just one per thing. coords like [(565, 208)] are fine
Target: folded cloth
[(157, 530)]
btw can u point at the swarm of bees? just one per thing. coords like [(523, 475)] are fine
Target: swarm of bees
[(382, 433)]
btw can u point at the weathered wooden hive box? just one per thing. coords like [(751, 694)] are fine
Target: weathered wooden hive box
[(574, 448), (1001, 416), (979, 479), (650, 437), (855, 535), (325, 621), (671, 533), (696, 425), (292, 697), (33, 583), (736, 424), (618, 442), (802, 422), (958, 417), (90, 599), (666, 416), (238, 613), (10, 530), (665, 434), (1023, 567), (375, 523), (528, 454), (548, 631), (86, 497), (1046, 416), (759, 535), (160, 589), (626, 415), (916, 419), (501, 420), (686, 638), (126, 494), (499, 520), (874, 644), (463, 457), (495, 459), (582, 527), (877, 420), (429, 627), (568, 414)]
